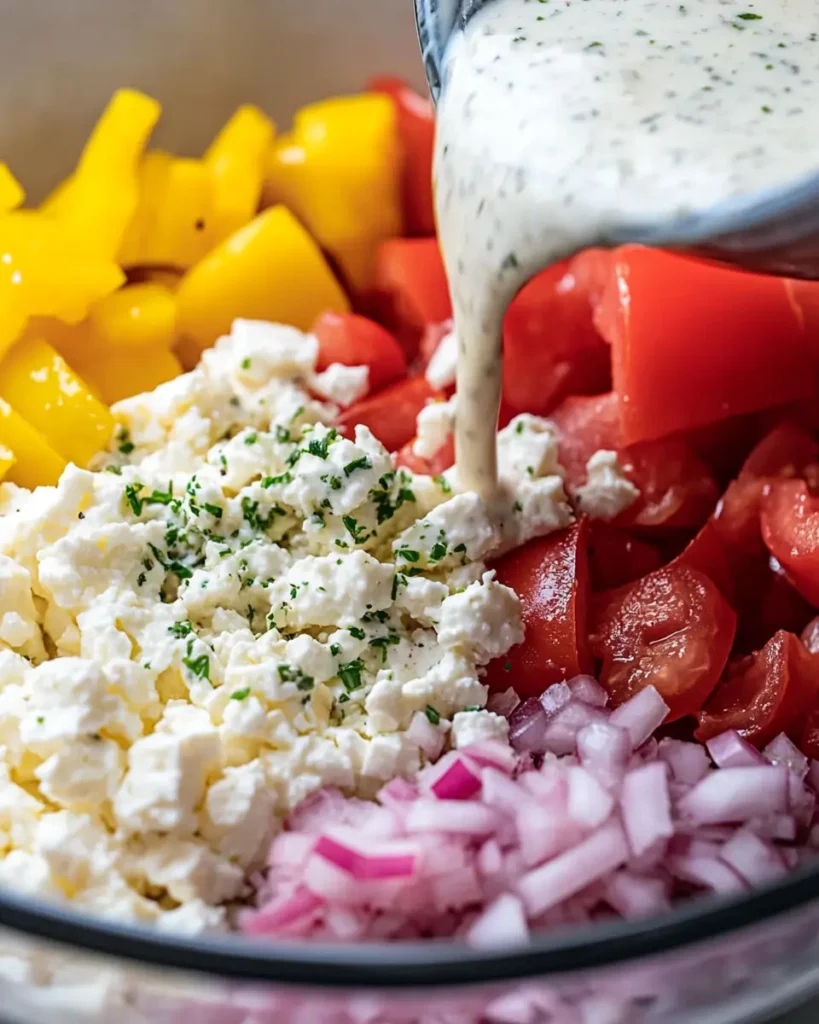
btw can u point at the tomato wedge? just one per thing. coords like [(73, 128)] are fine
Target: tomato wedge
[(676, 488), (551, 577), (356, 341), (392, 413), (411, 272), (671, 629), (617, 557), (551, 348), (790, 529), (442, 460), (416, 129), (765, 693), (694, 343)]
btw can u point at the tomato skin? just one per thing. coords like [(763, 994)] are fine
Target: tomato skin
[(790, 529), (356, 341), (808, 741), (692, 342), (765, 693), (671, 629), (618, 557), (441, 461), (677, 491), (392, 413), (551, 348), (411, 272), (708, 554), (416, 128), (551, 577)]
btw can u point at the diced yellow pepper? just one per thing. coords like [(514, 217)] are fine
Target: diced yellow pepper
[(11, 191), (36, 462), (235, 160), (169, 227), (121, 373), (7, 460), (269, 270), (283, 166), (137, 316), (43, 274), (39, 384), (99, 200), (346, 184)]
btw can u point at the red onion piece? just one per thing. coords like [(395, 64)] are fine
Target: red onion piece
[(641, 715), (755, 860), (587, 689), (491, 755), (281, 915), (503, 703), (503, 923), (688, 762), (527, 727), (604, 750), (708, 873), (646, 806), (458, 782), (390, 862), (451, 816), (784, 752), (734, 795), (560, 735), (589, 804), (636, 895), (554, 698), (730, 750)]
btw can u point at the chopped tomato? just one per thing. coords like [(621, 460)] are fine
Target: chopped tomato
[(432, 338), (765, 693), (551, 348), (676, 488), (356, 341), (551, 577), (392, 413), (617, 557), (591, 270), (707, 553), (416, 128), (790, 529), (672, 630), (411, 273), (694, 343), (442, 460), (808, 741), (767, 602)]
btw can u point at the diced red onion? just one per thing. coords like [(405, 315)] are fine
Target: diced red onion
[(774, 826), (641, 715), (707, 872), (589, 804), (503, 923), (451, 816), (397, 791), (636, 895), (588, 690), (491, 755), (459, 782), (755, 860), (291, 849), (688, 762), (425, 735), (554, 698), (734, 795), (558, 879), (560, 734), (784, 752), (604, 750), (392, 861), (730, 750), (813, 776), (646, 806), (503, 703), (527, 727), (283, 913)]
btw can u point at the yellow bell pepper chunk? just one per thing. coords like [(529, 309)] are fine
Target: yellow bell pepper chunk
[(345, 185), (43, 274), (35, 461), (283, 166), (235, 160), (169, 227), (99, 200), (137, 316), (125, 372), (11, 191), (7, 460), (269, 270), (38, 383)]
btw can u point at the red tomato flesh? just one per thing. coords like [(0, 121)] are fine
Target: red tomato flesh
[(392, 413), (790, 529), (617, 557), (440, 461), (416, 130), (551, 577), (764, 694), (356, 341), (693, 343), (671, 629), (411, 271)]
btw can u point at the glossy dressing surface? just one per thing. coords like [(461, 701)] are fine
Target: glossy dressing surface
[(563, 121)]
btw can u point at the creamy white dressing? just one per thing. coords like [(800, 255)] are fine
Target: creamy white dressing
[(562, 121)]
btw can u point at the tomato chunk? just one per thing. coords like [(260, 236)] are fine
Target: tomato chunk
[(392, 413), (618, 557), (411, 272), (416, 128), (440, 461), (356, 341), (672, 630), (551, 348), (693, 343), (551, 577), (765, 693), (790, 529), (676, 488)]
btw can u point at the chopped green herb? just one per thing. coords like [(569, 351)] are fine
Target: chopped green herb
[(133, 499), (358, 533), (241, 694), (282, 478), (357, 632), (362, 463), (251, 438), (474, 707), (460, 549), (750, 16), (215, 510), (510, 262), (126, 445), (439, 549), (180, 629), (335, 649), (443, 483), (350, 674), (433, 715), (199, 667), (245, 364), (507, 666), (408, 555), (320, 447), (398, 580), (293, 674), (283, 434)]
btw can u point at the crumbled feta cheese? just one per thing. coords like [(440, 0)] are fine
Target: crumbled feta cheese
[(471, 727), (440, 371), (341, 384), (607, 491), (435, 424), (484, 620)]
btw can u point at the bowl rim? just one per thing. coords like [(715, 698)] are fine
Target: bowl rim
[(428, 965)]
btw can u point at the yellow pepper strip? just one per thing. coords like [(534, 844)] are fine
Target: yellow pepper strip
[(7, 460), (42, 273), (38, 383), (169, 226), (235, 160), (137, 316), (282, 170), (269, 270), (346, 188), (11, 191), (36, 462), (121, 373), (98, 202)]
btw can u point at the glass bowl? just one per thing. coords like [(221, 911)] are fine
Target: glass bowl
[(709, 961)]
